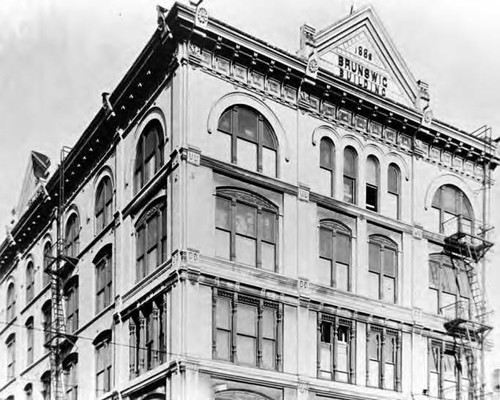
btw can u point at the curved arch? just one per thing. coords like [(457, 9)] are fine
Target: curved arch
[(397, 159), (102, 336), (151, 207), (154, 113), (11, 337), (101, 174), (384, 240), (450, 179), (72, 282), (71, 358), (373, 150), (10, 301), (104, 250), (336, 225), (240, 394), (322, 131), (234, 98), (255, 198), (351, 140), (154, 396)]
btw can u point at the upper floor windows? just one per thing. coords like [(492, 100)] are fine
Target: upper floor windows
[(30, 281), (350, 175), (327, 165), (30, 341), (11, 302), (72, 308), (334, 254), (104, 363), (147, 336), (46, 387), (384, 358), (382, 266), (372, 183), (11, 356), (450, 208), (151, 240), (104, 278), (246, 228), (47, 322), (104, 204), (247, 330), (393, 191), (47, 259), (250, 139), (149, 154), (448, 372), (72, 244), (336, 349)]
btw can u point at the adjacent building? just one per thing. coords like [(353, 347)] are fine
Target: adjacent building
[(241, 222)]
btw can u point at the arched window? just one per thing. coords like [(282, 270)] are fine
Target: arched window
[(393, 191), (350, 174), (72, 236), (104, 204), (46, 392), (151, 239), (104, 278), (334, 254), (29, 341), (28, 392), (47, 260), (149, 154), (452, 211), (72, 308), (383, 268), (11, 356), (372, 183), (47, 321), (246, 228), (327, 165), (11, 302), (70, 364), (104, 363), (251, 139), (30, 282)]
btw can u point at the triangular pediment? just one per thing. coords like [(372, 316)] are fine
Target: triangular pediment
[(357, 49)]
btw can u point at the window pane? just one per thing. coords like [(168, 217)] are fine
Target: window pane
[(247, 124), (326, 159), (325, 179), (374, 257), (371, 171), (326, 357), (389, 262), (392, 205), (222, 244), (349, 163), (389, 376), (374, 372), (450, 224), (433, 275), (245, 250), (372, 198), (152, 261), (223, 314), (150, 168), (448, 283), (247, 350), (268, 323), (223, 344), (268, 257), (434, 384), (342, 276), (246, 154), (225, 121), (374, 346), (245, 220), (393, 179), (373, 285), (325, 272), (268, 222), (343, 248), (152, 232), (222, 213), (389, 289), (342, 357), (247, 320), (268, 353), (348, 190), (325, 243), (140, 242), (268, 136), (268, 162), (436, 221), (449, 199)]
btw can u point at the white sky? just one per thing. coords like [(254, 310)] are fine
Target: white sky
[(57, 56)]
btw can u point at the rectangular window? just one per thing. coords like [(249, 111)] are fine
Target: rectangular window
[(392, 205), (11, 358), (104, 364), (246, 331), (29, 343), (335, 258), (383, 358), (336, 349), (372, 198), (103, 283), (246, 154), (349, 190), (382, 267)]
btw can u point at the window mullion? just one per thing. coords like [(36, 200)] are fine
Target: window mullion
[(260, 340), (232, 240), (333, 282), (260, 137), (383, 349), (334, 332), (234, 134), (234, 326), (258, 238), (381, 274), (318, 349)]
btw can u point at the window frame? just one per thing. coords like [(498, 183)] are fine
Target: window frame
[(373, 186), (336, 322), (326, 141), (30, 281), (397, 192), (47, 321), (263, 127), (46, 385), (155, 214), (350, 177), (382, 334), (384, 244), (71, 304), (141, 159), (10, 344), (261, 206), (261, 305), (103, 203), (10, 310), (337, 229), (72, 236), (463, 208), (103, 363), (47, 255), (103, 264), (30, 341), (70, 376)]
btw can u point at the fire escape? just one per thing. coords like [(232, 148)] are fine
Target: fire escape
[(62, 262), (466, 320)]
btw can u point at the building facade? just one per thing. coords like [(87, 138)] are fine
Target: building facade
[(240, 222)]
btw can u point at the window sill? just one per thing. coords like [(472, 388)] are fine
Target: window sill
[(9, 324), (34, 299)]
